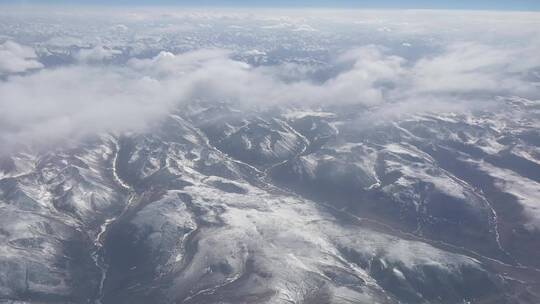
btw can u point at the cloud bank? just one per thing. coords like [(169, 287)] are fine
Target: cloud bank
[(94, 95)]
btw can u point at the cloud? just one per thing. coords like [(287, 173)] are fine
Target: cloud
[(213, 75), (96, 54), (15, 58), (473, 67), (80, 100), (97, 94), (72, 102)]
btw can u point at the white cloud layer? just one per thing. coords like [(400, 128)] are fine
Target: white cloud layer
[(91, 97), (15, 58), (473, 67)]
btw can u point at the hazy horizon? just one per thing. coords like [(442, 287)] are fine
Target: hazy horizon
[(522, 5)]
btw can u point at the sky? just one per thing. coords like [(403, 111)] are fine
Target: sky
[(524, 5)]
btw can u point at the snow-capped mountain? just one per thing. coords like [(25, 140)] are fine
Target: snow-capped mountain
[(165, 155), (303, 206)]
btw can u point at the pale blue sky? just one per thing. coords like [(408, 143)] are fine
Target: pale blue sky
[(432, 4)]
